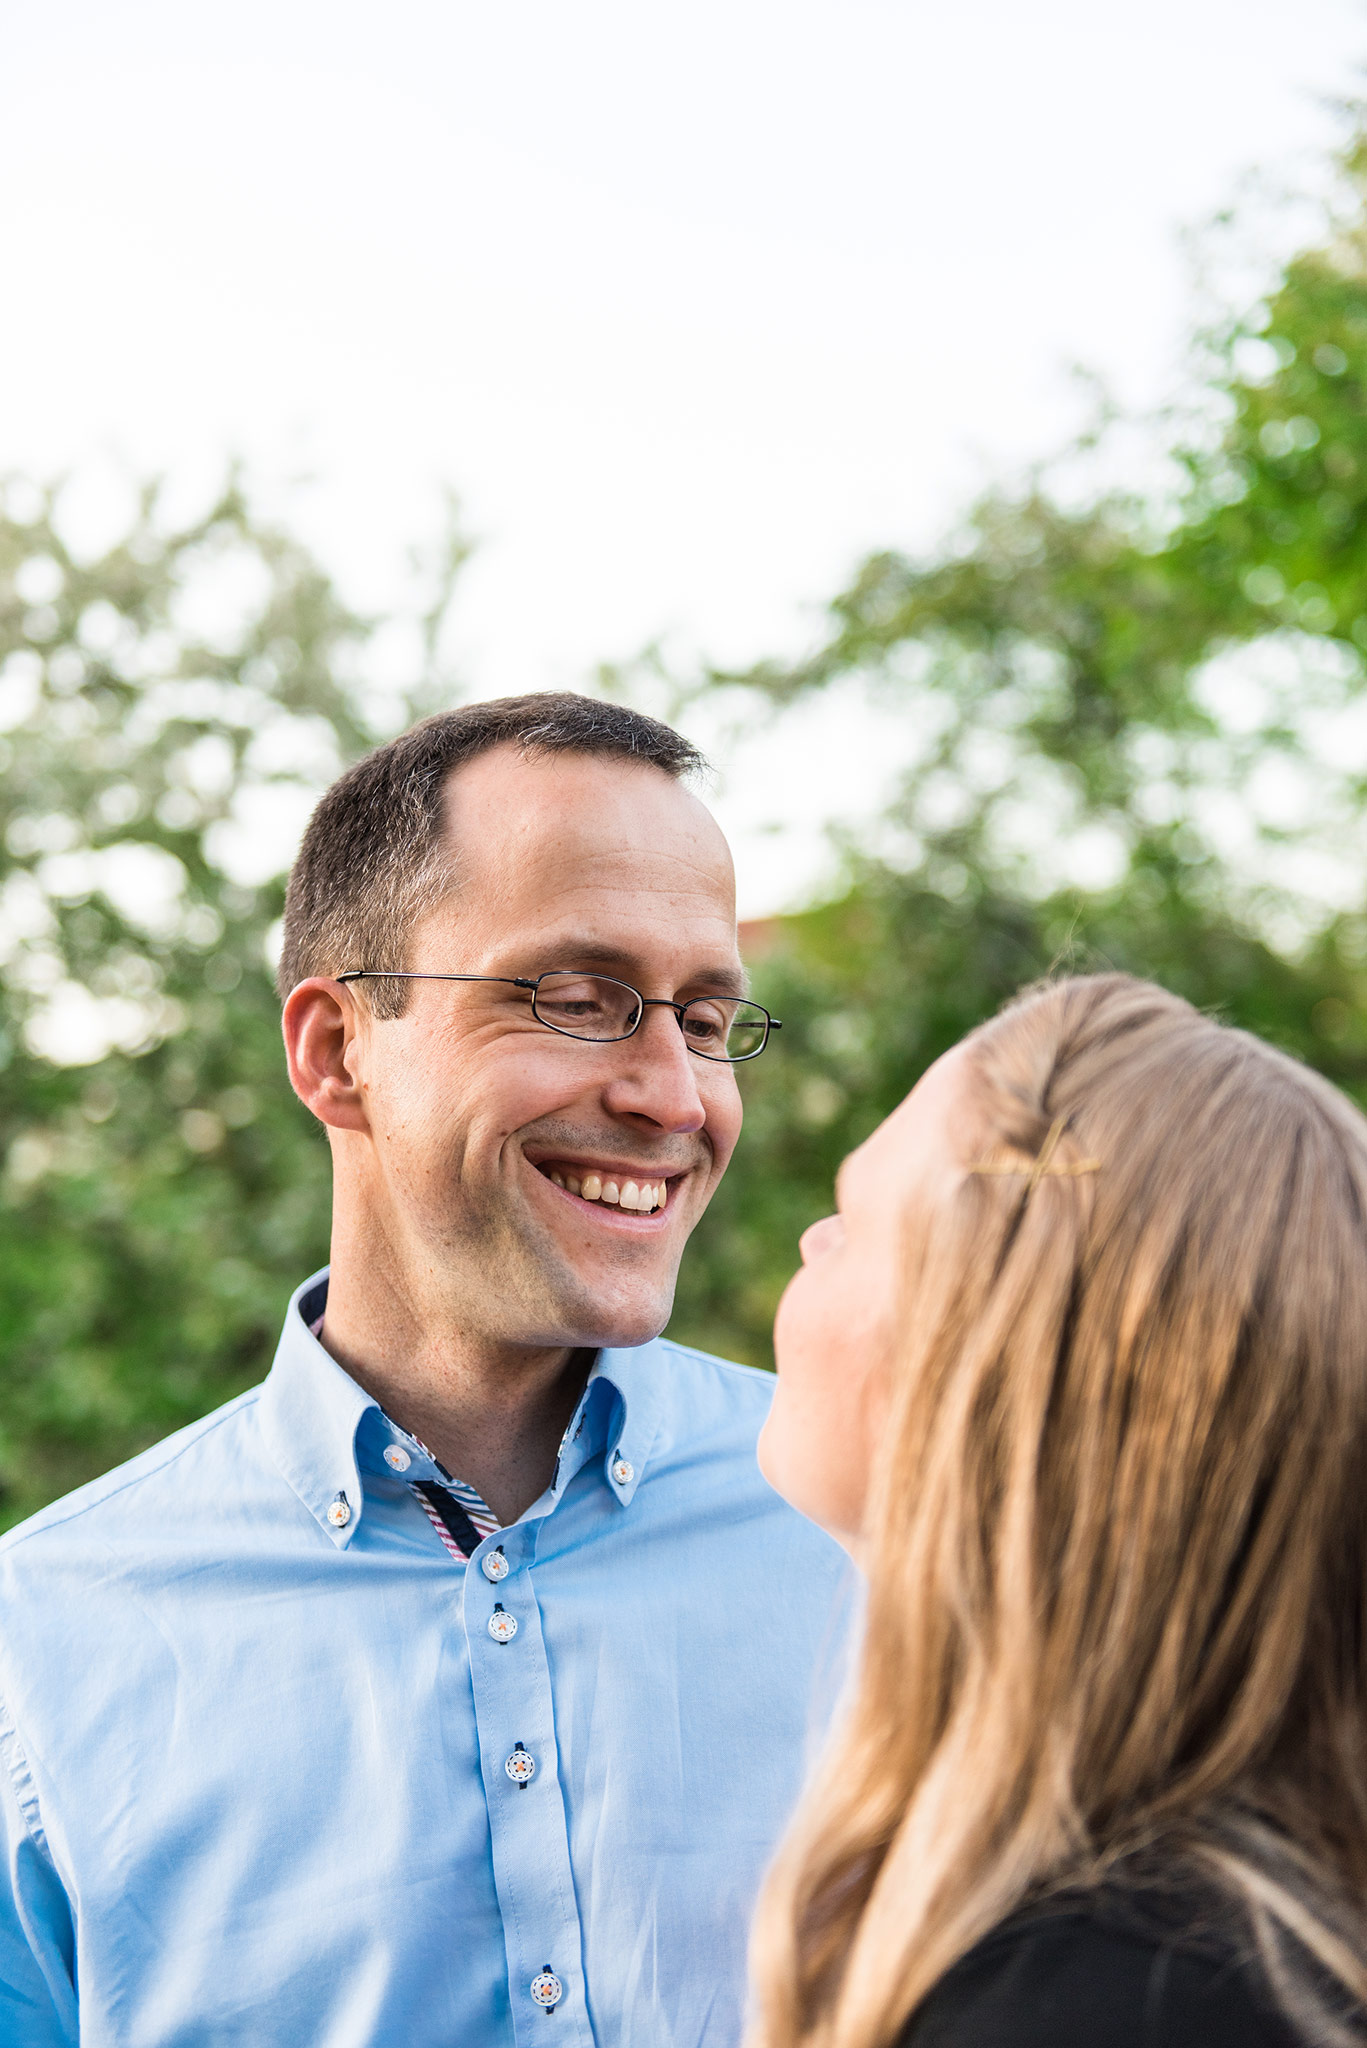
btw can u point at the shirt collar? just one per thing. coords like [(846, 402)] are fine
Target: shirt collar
[(310, 1412), (324, 1431), (634, 1377)]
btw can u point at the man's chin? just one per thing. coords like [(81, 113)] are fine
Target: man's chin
[(611, 1307), (592, 1322)]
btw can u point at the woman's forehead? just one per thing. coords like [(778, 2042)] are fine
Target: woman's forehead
[(916, 1141)]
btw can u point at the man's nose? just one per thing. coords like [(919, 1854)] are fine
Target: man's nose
[(657, 1077)]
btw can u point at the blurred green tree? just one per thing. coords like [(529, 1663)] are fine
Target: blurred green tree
[(1136, 735), (167, 714)]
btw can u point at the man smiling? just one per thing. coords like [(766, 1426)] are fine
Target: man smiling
[(457, 1677)]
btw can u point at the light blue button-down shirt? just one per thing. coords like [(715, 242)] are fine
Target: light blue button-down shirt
[(255, 1786)]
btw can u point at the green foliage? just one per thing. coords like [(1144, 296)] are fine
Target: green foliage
[(162, 1190), (1136, 736)]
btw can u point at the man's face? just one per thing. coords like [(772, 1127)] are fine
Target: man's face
[(566, 861)]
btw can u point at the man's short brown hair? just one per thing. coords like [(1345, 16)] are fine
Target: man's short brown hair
[(372, 862)]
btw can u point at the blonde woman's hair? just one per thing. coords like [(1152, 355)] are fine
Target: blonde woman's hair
[(1117, 1530)]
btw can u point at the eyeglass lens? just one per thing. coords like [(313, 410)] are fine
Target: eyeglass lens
[(594, 1006)]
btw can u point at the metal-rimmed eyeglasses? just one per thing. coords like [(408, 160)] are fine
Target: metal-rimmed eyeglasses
[(601, 1009)]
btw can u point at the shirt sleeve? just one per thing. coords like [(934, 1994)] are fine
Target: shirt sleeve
[(37, 1938)]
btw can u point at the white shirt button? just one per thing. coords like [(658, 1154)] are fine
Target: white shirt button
[(502, 1626), (397, 1458), (339, 1514), (546, 1988), (623, 1471), (494, 1565), (521, 1767)]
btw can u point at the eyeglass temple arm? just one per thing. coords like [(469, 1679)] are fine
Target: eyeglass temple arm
[(401, 974)]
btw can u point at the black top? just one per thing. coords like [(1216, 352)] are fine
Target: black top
[(1106, 1971)]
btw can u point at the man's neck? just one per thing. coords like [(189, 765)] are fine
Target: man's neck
[(492, 1414)]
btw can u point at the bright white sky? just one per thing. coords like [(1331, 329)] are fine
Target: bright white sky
[(693, 305)]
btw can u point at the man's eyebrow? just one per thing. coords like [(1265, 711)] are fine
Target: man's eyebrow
[(723, 976)]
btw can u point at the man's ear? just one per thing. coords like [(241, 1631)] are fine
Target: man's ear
[(321, 1023)]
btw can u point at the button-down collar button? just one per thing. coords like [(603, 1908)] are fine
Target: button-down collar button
[(502, 1626), (546, 1988), (521, 1767), (339, 1514), (623, 1471), (494, 1565), (397, 1458)]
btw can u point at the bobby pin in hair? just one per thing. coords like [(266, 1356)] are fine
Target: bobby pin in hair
[(1044, 1163)]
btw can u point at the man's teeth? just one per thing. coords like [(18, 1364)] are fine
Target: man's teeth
[(643, 1196)]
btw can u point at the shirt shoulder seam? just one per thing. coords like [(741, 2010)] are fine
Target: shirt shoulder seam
[(749, 1373), (54, 1518)]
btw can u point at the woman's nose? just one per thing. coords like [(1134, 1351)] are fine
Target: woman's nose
[(819, 1237)]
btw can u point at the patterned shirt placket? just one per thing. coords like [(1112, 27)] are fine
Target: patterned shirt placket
[(469, 1509)]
